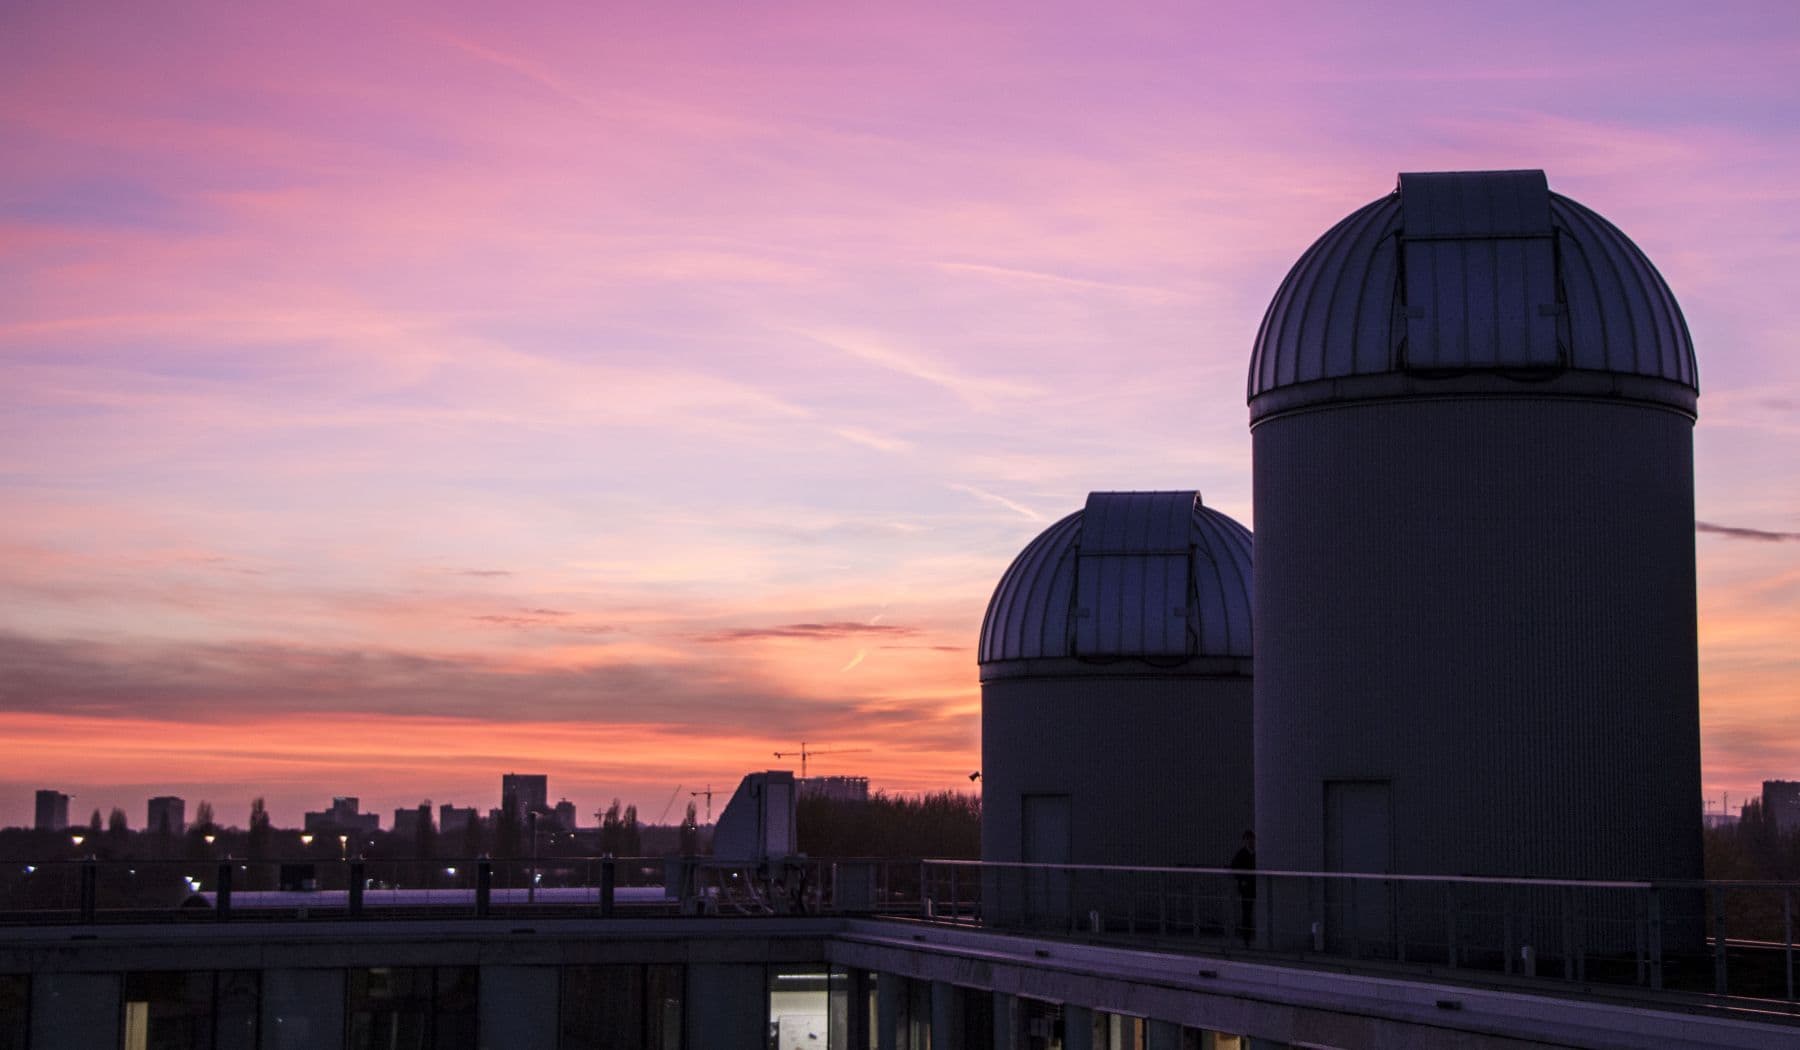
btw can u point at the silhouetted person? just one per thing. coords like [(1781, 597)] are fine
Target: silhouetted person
[(1245, 860)]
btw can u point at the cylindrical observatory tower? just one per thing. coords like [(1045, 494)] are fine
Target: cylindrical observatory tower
[(1472, 405), (1115, 689)]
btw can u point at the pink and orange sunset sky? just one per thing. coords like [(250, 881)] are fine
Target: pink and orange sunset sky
[(396, 395)]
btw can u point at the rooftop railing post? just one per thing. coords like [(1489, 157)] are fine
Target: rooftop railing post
[(223, 911), (1787, 936), (90, 888), (1351, 918), (955, 908), (1653, 929), (1639, 943), (1265, 937), (1450, 924), (1568, 932), (1721, 978), (484, 887), (356, 889), (1506, 924), (1193, 882), (1396, 917), (924, 894), (1580, 940), (609, 880)]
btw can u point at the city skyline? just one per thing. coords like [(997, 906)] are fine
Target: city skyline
[(392, 400)]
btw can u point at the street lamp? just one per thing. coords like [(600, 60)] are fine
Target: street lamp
[(77, 839), (306, 839), (343, 847)]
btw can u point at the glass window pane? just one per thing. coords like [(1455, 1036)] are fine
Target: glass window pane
[(799, 1007), (15, 1004), (663, 989), (389, 1008), (168, 1010), (239, 998), (602, 1008), (454, 1011)]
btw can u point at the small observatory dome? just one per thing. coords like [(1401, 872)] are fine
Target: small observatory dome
[(1115, 668), (1471, 411), (1155, 576)]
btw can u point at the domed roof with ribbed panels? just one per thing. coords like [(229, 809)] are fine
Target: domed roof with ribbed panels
[(1155, 576), (1463, 273)]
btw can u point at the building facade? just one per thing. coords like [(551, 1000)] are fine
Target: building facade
[(345, 815), (167, 816), (522, 793), (52, 811)]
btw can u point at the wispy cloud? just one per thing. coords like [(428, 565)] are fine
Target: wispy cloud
[(1060, 280), (977, 392), (998, 500), (810, 631), (870, 439), (1740, 532)]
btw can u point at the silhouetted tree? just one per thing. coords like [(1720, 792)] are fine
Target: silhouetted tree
[(945, 824), (690, 832), (116, 826), (197, 846), (619, 833), (262, 831), (95, 824)]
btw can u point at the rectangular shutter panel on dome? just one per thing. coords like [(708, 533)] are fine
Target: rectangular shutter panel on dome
[(1131, 579), (1479, 258)]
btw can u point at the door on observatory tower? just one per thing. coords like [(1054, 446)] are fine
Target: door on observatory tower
[(1046, 841), (1359, 914)]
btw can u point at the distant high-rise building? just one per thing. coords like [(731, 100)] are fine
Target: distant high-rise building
[(455, 820), (168, 815), (344, 815), (835, 789), (1781, 804), (409, 823), (565, 815), (52, 811), (522, 793)]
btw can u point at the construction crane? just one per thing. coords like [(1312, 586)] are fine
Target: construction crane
[(707, 794), (805, 753), (666, 806)]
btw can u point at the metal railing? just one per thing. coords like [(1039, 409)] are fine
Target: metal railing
[(1712, 938), (1718, 938), (227, 889)]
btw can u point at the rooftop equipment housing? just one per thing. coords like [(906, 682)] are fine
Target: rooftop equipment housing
[(1115, 685), (1472, 406)]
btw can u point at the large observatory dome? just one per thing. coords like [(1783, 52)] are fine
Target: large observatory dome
[(1457, 278), (1152, 575)]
